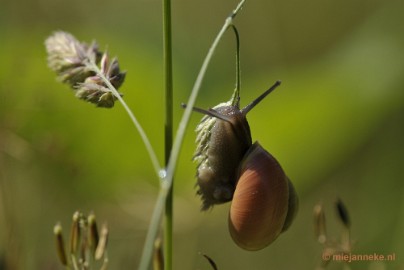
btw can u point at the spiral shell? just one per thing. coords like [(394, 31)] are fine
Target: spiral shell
[(264, 201)]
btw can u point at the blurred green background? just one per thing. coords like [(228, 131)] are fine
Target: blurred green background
[(336, 125)]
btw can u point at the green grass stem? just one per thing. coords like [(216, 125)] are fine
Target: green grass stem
[(168, 82)]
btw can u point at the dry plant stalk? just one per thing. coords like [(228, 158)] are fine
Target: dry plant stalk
[(87, 249), (330, 247)]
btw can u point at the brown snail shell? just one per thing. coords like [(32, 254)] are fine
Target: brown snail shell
[(264, 201), (293, 206)]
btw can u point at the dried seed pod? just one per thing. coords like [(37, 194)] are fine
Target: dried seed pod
[(319, 224), (102, 243), (158, 256), (60, 244), (211, 261), (343, 213), (93, 236), (75, 232)]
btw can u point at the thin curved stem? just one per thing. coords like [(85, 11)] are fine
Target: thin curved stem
[(169, 173), (142, 133), (236, 95)]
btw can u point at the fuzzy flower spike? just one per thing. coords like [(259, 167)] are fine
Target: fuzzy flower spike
[(76, 64)]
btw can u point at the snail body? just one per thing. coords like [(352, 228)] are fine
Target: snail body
[(217, 179), (231, 167)]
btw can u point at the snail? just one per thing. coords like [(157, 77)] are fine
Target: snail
[(232, 168)]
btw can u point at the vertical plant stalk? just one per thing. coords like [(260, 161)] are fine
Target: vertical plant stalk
[(172, 163), (168, 81)]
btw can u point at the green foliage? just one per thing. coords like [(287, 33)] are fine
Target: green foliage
[(335, 124)]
